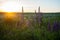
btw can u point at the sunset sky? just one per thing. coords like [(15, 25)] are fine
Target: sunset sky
[(30, 5)]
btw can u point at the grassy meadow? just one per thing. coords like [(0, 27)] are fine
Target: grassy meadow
[(30, 26)]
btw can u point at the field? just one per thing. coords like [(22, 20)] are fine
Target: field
[(31, 26)]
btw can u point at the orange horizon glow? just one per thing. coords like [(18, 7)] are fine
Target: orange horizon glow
[(9, 15)]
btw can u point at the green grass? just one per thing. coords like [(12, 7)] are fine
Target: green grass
[(9, 30)]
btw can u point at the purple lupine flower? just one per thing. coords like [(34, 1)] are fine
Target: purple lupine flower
[(27, 23), (49, 26), (39, 18), (34, 19), (55, 26)]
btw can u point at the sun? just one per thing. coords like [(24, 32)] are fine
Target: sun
[(9, 15), (10, 7)]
